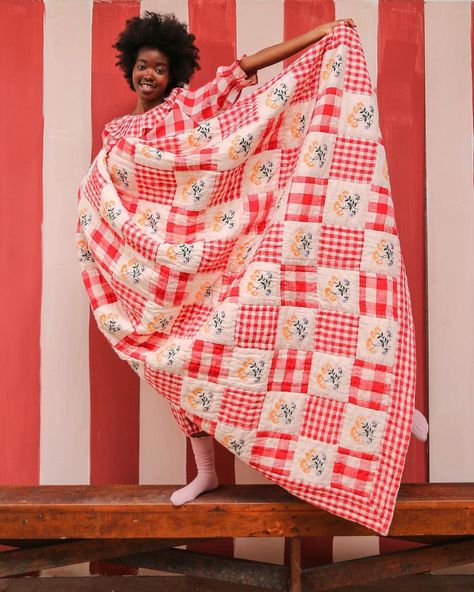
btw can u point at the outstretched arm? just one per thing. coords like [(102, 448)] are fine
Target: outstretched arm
[(280, 51)]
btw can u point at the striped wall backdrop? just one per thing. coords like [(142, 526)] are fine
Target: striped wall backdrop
[(71, 411)]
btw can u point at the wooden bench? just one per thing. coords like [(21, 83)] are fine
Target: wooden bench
[(136, 525)]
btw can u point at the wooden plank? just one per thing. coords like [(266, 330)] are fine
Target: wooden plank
[(215, 567), (144, 511), (70, 553), (295, 564), (420, 583), (380, 567)]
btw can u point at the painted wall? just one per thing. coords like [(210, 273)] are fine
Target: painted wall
[(70, 406)]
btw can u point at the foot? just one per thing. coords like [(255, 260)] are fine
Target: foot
[(419, 426), (199, 485)]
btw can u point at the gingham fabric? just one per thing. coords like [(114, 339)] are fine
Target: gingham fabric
[(243, 258)]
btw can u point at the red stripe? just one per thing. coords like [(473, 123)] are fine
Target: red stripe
[(21, 152), (115, 388), (401, 102), (299, 17), (214, 24)]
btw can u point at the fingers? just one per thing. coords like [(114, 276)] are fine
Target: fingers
[(348, 21)]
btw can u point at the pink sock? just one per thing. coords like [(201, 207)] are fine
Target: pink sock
[(419, 426), (206, 478)]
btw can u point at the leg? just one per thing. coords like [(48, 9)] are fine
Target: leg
[(206, 478), (203, 447)]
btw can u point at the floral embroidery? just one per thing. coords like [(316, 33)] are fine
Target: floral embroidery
[(384, 250), (298, 124), (302, 243), (251, 369), (109, 322), (328, 374), (169, 352), (240, 145), (277, 96), (151, 152), (281, 409), (313, 461), (262, 172), (234, 444), (224, 218), (149, 219), (333, 65), (120, 175), (133, 269), (200, 398), (316, 154), (134, 365), (84, 217), (337, 289), (385, 171), (201, 135), (204, 291), (216, 323), (379, 339), (110, 212), (84, 253), (361, 114), (159, 322), (295, 327), (363, 430), (346, 201), (260, 281), (243, 252), (183, 250), (193, 189)]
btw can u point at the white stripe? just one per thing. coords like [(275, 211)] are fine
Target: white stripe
[(365, 15), (259, 25), (450, 219), (65, 397)]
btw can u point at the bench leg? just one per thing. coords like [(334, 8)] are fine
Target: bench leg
[(295, 564)]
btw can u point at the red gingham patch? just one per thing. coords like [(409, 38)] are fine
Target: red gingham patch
[(288, 158), (327, 111), (259, 207), (273, 451), (105, 246), (206, 361), (322, 419), (336, 332), (298, 286), (166, 383), (255, 321), (269, 249), (241, 408), (98, 290), (370, 385), (155, 184), (378, 295), (131, 301), (306, 199), (139, 240), (380, 215), (340, 246), (356, 77), (353, 159), (354, 471), (187, 426), (215, 254), (190, 319), (183, 225), (290, 371), (227, 186), (168, 288)]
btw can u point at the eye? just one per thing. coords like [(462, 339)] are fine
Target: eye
[(140, 66)]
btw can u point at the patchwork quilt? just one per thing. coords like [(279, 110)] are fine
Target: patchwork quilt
[(249, 269)]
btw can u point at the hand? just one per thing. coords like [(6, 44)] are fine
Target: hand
[(328, 27)]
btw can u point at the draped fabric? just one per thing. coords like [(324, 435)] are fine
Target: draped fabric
[(246, 263)]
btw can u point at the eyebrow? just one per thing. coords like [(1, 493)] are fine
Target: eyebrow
[(157, 63)]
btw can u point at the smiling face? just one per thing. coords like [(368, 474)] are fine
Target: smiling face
[(150, 77)]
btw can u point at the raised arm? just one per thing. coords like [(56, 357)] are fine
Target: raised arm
[(275, 53)]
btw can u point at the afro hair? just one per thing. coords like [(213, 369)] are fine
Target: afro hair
[(163, 32)]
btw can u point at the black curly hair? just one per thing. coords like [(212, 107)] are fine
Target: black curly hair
[(163, 32)]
